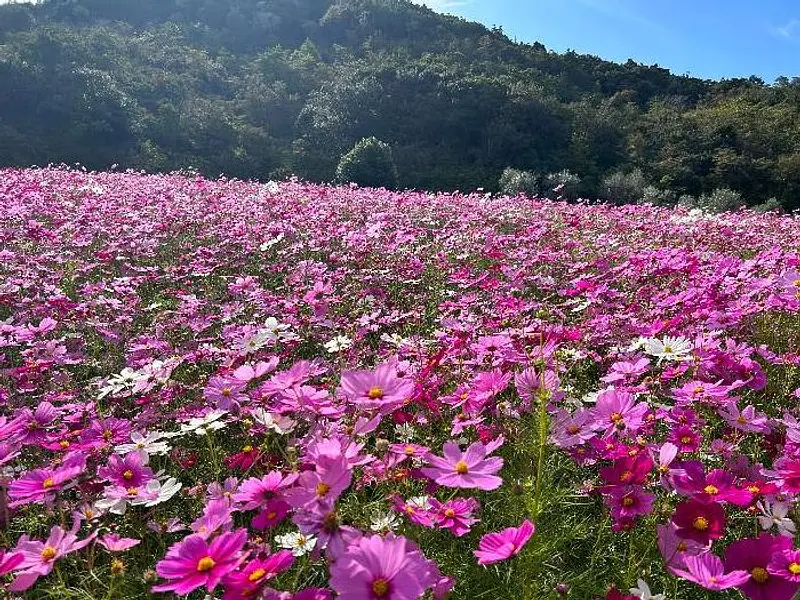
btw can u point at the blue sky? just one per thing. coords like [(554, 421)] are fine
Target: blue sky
[(705, 38)]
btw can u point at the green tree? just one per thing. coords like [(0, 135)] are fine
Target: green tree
[(370, 164)]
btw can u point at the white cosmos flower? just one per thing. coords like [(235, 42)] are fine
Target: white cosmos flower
[(387, 522), (298, 543), (202, 425), (337, 344), (774, 515), (144, 444), (124, 381), (163, 491), (642, 591), (668, 348), (277, 423)]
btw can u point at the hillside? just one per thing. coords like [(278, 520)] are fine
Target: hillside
[(257, 89)]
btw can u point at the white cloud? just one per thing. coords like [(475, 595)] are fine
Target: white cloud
[(790, 31)]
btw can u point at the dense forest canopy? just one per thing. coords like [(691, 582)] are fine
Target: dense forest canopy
[(264, 88)]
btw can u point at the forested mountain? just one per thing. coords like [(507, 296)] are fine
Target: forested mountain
[(263, 88)]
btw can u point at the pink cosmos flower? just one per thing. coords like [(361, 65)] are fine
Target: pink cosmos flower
[(753, 556), (323, 486), (674, 549), (114, 543), (708, 571), (786, 564), (618, 411), (40, 557), (193, 562), (40, 485), (629, 502), (470, 469), (273, 513), (498, 546), (455, 514), (255, 493), (380, 389), (747, 420), (377, 568), (226, 392), (251, 579)]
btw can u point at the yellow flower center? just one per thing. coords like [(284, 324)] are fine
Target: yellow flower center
[(128, 475), (64, 444), (698, 389), (462, 468), (449, 513), (700, 523), (226, 392), (132, 491), (271, 515), (616, 417), (322, 489), (754, 489), (682, 546), (628, 501), (48, 553), (794, 568), (375, 393), (759, 575), (48, 483), (686, 440), (573, 429), (711, 490), (626, 476), (108, 434), (741, 420), (247, 448), (410, 450), (256, 575), (380, 587), (205, 564)]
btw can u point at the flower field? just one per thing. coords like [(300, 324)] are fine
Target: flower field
[(233, 390)]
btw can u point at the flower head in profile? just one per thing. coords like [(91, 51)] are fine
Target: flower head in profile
[(193, 562), (470, 469), (495, 547), (251, 579), (707, 570), (642, 591)]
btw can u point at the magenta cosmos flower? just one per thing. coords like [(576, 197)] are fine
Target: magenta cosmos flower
[(470, 469), (40, 485), (501, 545), (699, 521), (379, 389), (753, 556), (256, 493), (193, 562), (376, 568), (707, 570), (251, 579)]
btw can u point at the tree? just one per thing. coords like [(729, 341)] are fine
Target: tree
[(370, 164)]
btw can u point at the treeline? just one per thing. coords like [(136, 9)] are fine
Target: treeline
[(261, 89)]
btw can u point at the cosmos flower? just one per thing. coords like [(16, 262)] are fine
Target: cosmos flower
[(193, 562), (495, 547), (470, 469)]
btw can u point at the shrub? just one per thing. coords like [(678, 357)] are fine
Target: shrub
[(624, 188), (369, 164), (516, 181), (567, 183), (721, 200), (658, 197)]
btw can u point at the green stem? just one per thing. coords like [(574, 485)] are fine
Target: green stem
[(541, 448)]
